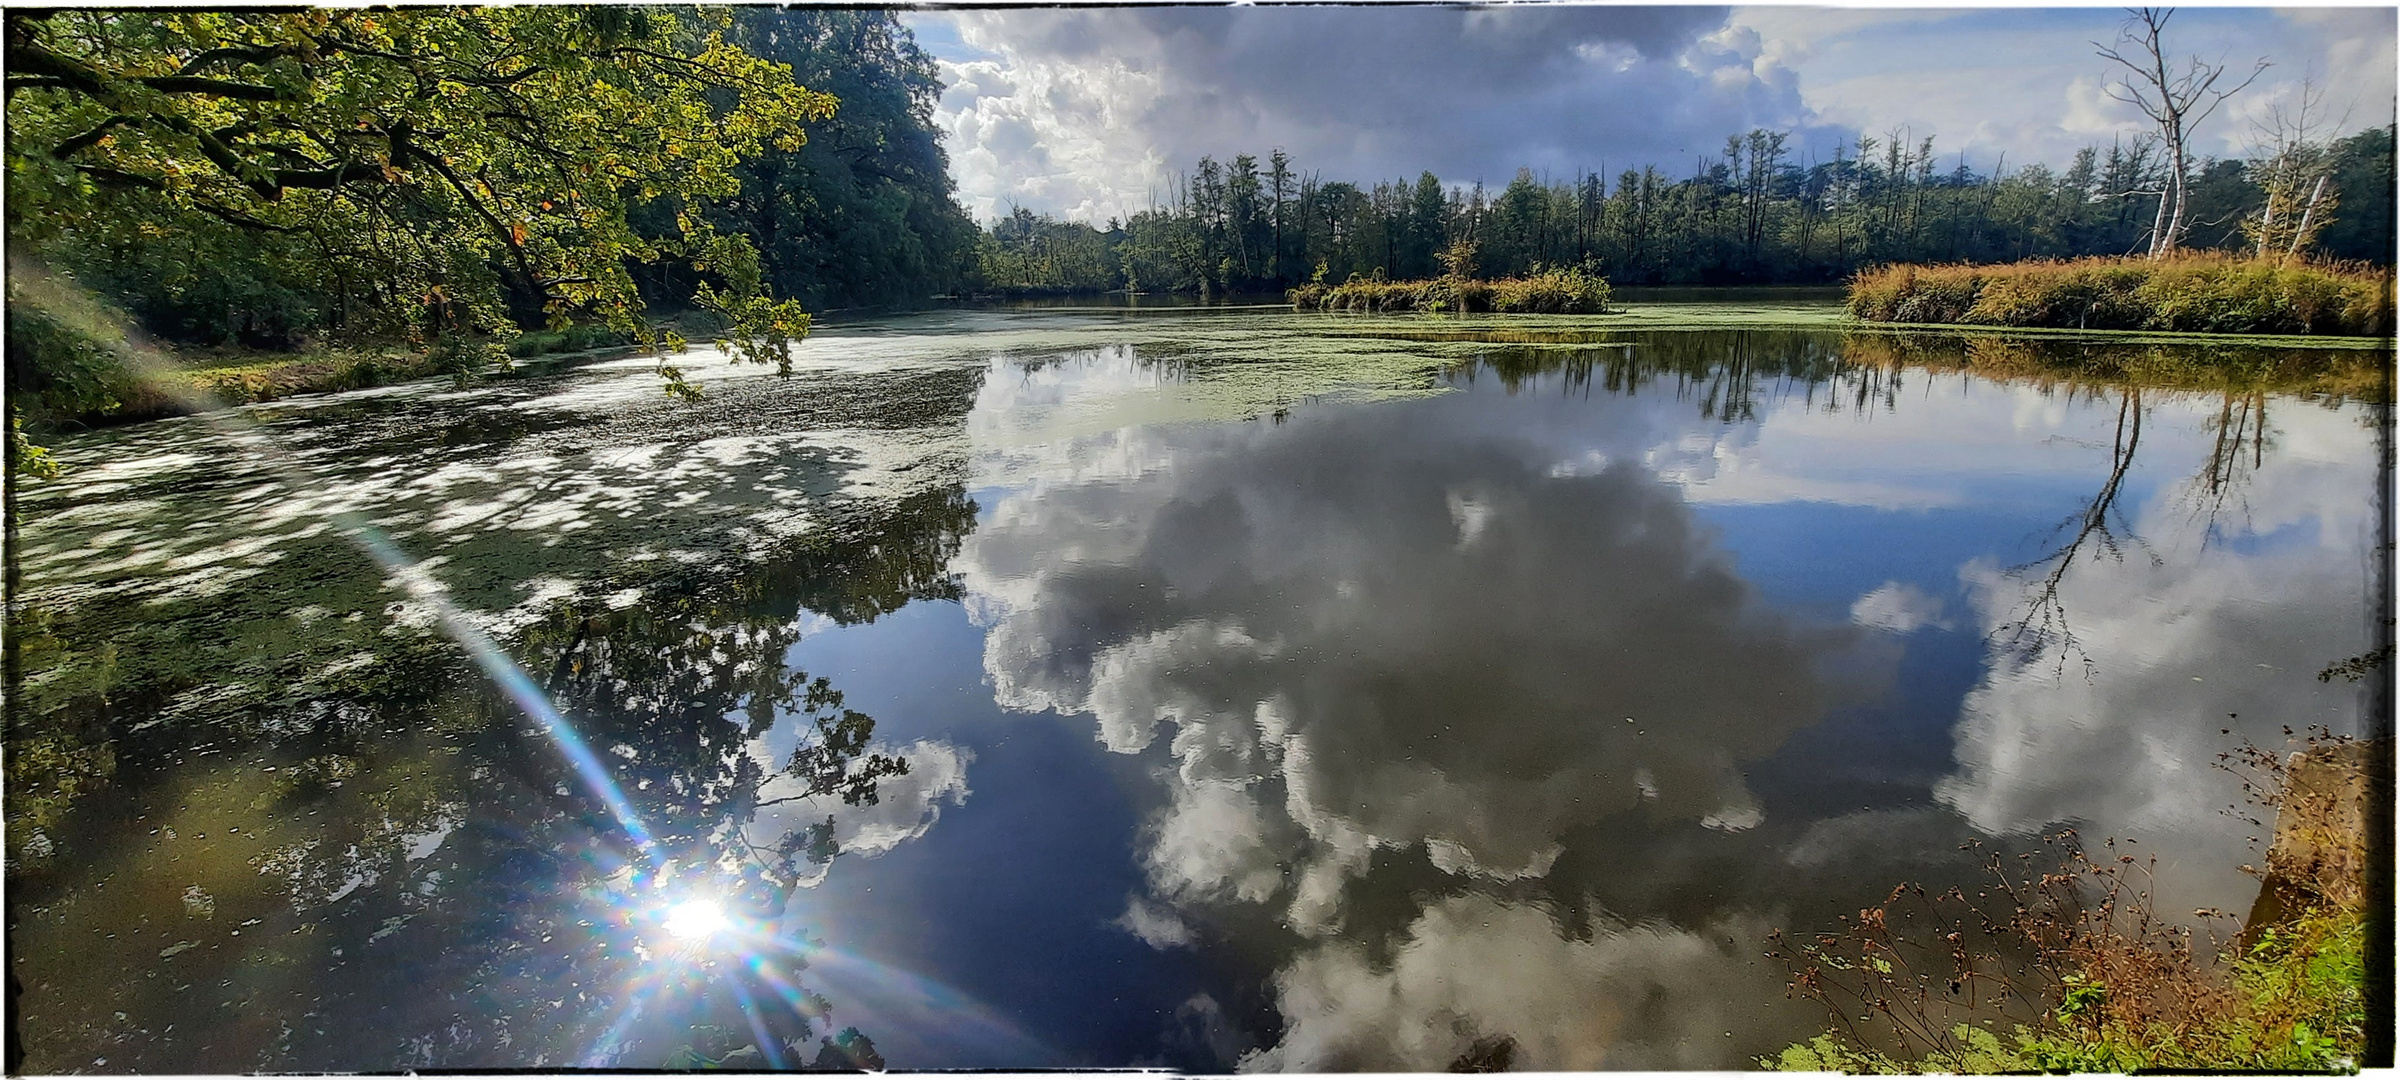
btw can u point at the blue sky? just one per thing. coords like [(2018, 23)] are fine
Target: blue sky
[(1089, 113)]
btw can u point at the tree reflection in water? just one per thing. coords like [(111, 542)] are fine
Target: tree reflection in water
[(416, 878), (2099, 529), (2241, 376)]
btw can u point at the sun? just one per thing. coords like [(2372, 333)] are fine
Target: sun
[(696, 920)]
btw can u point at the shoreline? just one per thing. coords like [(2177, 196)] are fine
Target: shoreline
[(265, 377)]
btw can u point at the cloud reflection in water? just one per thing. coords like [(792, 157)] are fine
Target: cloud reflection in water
[(1365, 635)]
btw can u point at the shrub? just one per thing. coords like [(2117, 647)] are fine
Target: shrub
[(61, 366), (1546, 292), (1552, 292), (2196, 292), (2108, 985), (577, 338)]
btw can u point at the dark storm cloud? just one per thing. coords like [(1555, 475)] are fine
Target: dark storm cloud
[(1355, 93)]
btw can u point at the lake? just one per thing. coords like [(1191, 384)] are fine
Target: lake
[(1196, 688)]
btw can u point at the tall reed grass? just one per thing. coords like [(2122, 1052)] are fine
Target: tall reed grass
[(2194, 292), (1545, 292)]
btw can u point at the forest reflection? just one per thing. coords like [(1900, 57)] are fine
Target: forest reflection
[(410, 875), (1457, 697), (1725, 375), (1573, 663)]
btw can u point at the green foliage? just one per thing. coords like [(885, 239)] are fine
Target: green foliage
[(61, 366), (2362, 174), (434, 172), (2191, 292), (764, 329), (1551, 292), (1029, 253), (865, 215), (2298, 1006), (580, 337)]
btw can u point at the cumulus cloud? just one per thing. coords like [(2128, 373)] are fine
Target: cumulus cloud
[(1899, 608), (1361, 632), (2026, 83), (1157, 925), (1475, 973), (1418, 683), (1090, 112), (2227, 634)]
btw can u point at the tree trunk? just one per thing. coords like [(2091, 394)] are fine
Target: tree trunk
[(2300, 235), (2158, 224), (2177, 184)]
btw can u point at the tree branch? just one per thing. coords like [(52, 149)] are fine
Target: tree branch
[(236, 217), (516, 250), (185, 84), (98, 132), (121, 178), (261, 54)]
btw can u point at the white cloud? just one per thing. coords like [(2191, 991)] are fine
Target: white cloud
[(2186, 639), (906, 806), (1473, 970), (1324, 619), (1157, 925), (1415, 679), (2026, 82), (1899, 608), (1092, 113)]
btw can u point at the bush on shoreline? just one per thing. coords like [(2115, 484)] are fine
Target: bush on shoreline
[(71, 365), (2202, 293), (1545, 292)]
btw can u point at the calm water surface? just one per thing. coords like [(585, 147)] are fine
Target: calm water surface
[(1211, 690)]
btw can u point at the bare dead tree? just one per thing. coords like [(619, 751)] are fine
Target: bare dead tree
[(2099, 530), (2177, 99), (2292, 165)]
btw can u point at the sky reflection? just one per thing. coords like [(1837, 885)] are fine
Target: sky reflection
[(1412, 703)]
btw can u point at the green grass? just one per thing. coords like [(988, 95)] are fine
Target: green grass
[(2191, 293), (2297, 1005)]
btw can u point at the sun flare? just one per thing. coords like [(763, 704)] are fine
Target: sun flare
[(695, 920)]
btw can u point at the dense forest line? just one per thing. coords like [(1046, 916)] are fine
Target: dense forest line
[(1752, 215), (448, 177)]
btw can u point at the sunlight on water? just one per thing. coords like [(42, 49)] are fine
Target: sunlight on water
[(1086, 689)]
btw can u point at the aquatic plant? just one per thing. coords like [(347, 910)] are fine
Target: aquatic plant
[(2089, 976), (2190, 292)]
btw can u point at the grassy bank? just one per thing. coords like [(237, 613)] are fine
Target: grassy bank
[(114, 394), (2090, 978), (1550, 292), (2193, 293)]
